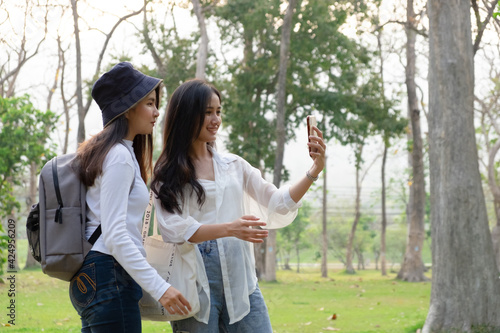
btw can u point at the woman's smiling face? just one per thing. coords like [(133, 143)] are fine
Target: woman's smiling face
[(212, 120)]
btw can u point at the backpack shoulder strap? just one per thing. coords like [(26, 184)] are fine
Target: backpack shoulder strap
[(57, 217)]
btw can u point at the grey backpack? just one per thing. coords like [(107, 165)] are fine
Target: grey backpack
[(56, 225)]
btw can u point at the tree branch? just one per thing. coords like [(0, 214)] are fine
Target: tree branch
[(104, 47), (481, 26), (149, 44)]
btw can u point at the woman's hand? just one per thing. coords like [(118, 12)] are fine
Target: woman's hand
[(174, 302), (242, 229), (317, 152)]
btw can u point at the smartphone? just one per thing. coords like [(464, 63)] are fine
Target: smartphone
[(311, 121)]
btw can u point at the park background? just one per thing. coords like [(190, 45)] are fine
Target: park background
[(359, 66)]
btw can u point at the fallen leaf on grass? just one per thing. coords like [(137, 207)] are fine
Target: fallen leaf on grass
[(331, 328)]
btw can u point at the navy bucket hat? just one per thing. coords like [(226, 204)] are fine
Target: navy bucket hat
[(120, 89)]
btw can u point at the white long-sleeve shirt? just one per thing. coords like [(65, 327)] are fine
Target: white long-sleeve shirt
[(239, 190), (119, 209)]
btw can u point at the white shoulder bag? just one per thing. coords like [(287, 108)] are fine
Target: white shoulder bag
[(176, 263)]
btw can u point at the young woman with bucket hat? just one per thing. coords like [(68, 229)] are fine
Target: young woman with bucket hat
[(114, 165)]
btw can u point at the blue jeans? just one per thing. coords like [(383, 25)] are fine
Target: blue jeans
[(105, 296), (256, 321)]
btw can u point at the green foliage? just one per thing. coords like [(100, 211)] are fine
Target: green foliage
[(329, 73), (338, 235), (24, 132), (248, 105), (497, 13), (4, 246), (176, 52), (395, 245)]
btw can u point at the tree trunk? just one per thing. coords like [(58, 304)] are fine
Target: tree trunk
[(495, 190), (270, 262), (286, 30), (259, 250), (350, 243), (384, 218), (495, 237), (79, 95), (286, 262), (324, 257), (63, 97), (201, 62), (384, 160), (465, 285), (412, 268), (30, 261), (298, 256)]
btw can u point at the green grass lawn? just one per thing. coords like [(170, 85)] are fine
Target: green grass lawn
[(304, 302)]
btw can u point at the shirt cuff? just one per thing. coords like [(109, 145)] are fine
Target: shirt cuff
[(191, 230), (288, 201)]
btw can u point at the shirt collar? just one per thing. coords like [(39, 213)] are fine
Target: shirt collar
[(222, 160)]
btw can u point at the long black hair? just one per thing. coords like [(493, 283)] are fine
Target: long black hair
[(183, 123)]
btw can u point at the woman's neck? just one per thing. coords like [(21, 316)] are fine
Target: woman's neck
[(202, 161), (199, 151)]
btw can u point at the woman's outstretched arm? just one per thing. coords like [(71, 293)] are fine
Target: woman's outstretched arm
[(317, 153)]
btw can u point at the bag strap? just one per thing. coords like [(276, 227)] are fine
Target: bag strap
[(147, 219), (57, 217), (95, 235)]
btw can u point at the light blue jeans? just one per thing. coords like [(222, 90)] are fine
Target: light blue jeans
[(256, 321)]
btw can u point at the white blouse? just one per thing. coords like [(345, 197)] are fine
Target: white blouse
[(239, 190), (119, 210)]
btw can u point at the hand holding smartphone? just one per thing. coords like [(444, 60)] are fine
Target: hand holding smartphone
[(311, 121)]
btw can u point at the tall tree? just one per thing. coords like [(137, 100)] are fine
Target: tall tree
[(286, 29), (79, 93), (412, 268), (324, 225), (360, 176), (383, 229), (390, 128), (489, 123), (487, 105), (461, 299)]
